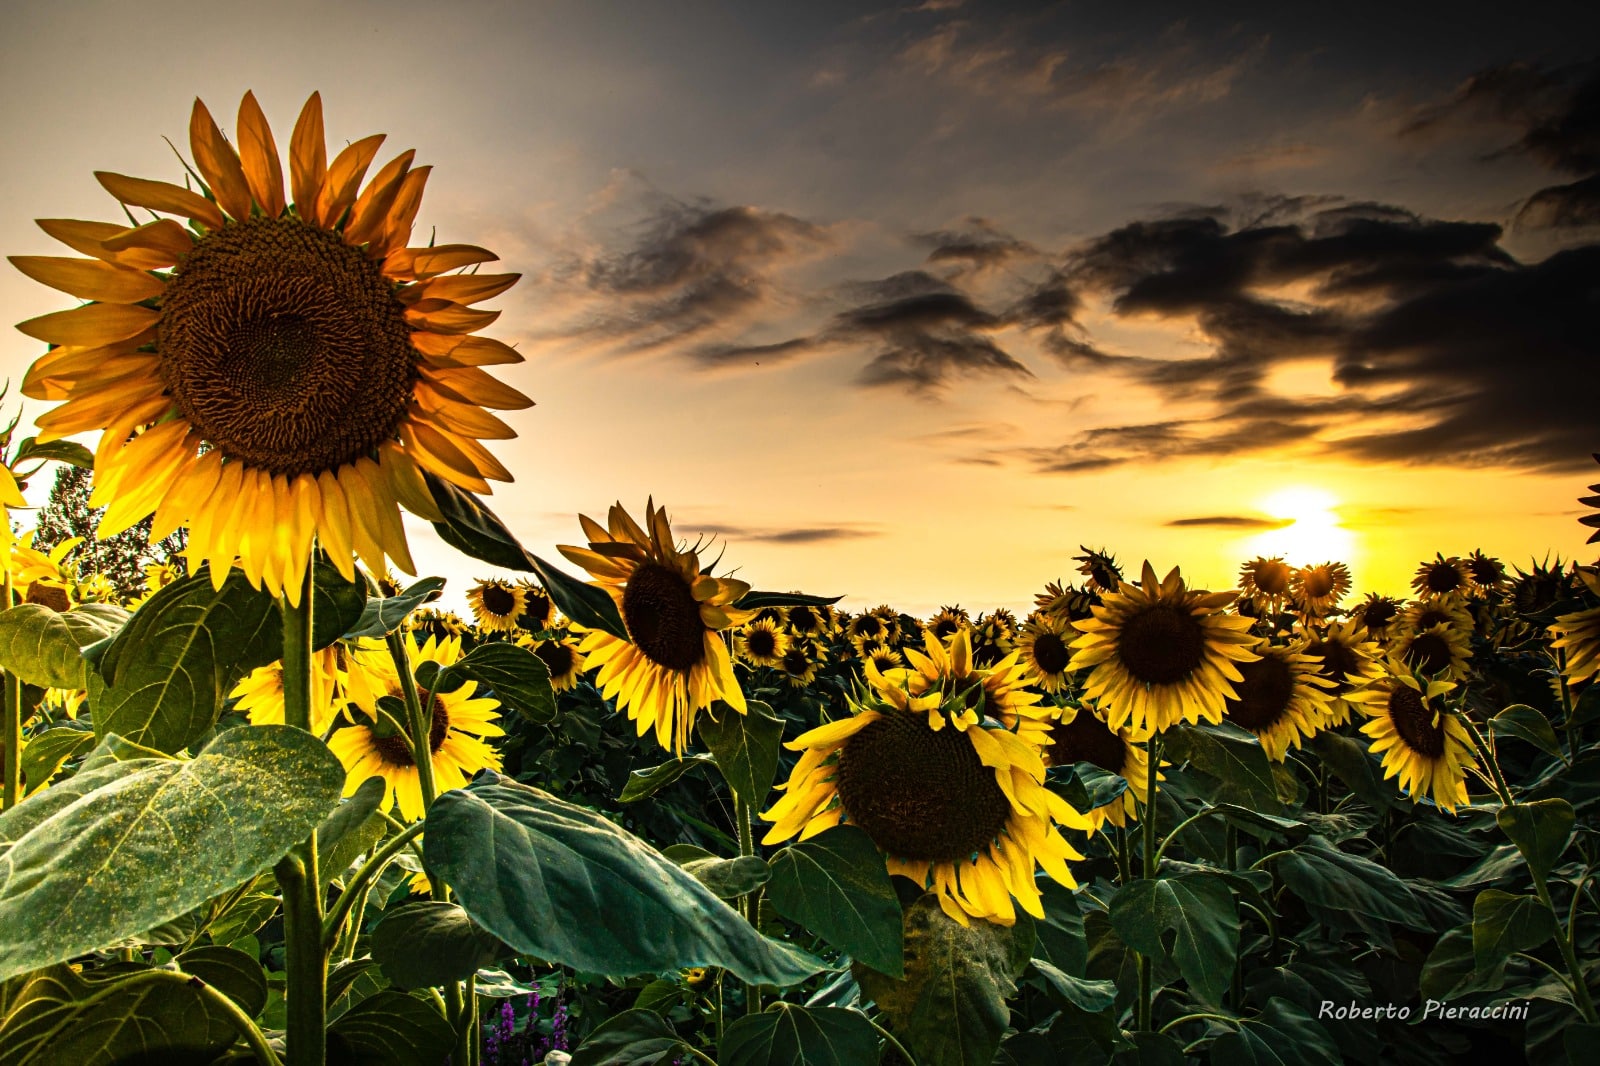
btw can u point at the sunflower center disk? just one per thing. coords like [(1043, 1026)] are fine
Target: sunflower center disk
[(1050, 653), (1429, 653), (556, 657), (1087, 739), (1264, 694), (663, 618), (286, 348), (1318, 583), (761, 642), (1338, 663), (393, 749), (918, 794), (1414, 722), (1273, 578), (535, 613), (499, 601), (1161, 645)]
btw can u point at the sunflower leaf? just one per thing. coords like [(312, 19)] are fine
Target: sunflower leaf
[(1198, 910), (1527, 723), (1281, 1035), (585, 604), (43, 647), (1540, 830), (1081, 992), (351, 830), (1350, 763), (642, 783), (1322, 875), (61, 451), (753, 600), (635, 1037), (384, 614), (469, 526), (827, 1036), (231, 972), (429, 944), (181, 832), (1504, 924), (515, 676), (392, 1028), (566, 885), (836, 885), (1240, 767), (48, 750), (730, 878), (745, 746)]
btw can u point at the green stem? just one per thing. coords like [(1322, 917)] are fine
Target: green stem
[(467, 1033), (1152, 859), (1198, 1017), (369, 870), (1580, 986), (1178, 831), (305, 956), (748, 904), (1236, 984), (421, 723), (13, 722), (1501, 789), (698, 1054)]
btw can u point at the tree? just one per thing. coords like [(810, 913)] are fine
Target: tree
[(121, 558)]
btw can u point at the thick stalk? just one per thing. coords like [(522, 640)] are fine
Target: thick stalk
[(421, 723), (305, 958), (13, 724), (1568, 725), (363, 877), (1151, 861), (748, 903)]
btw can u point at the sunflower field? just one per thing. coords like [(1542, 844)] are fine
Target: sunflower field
[(281, 808)]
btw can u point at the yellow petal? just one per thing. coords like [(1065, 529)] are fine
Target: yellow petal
[(406, 264), (335, 525), (402, 214), (88, 279), (344, 179), (91, 325), (308, 157), (218, 163), (161, 196), (435, 451), (371, 211), (153, 246), (258, 153), (468, 384), (407, 484), (465, 288)]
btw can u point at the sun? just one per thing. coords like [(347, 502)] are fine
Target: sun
[(1314, 532)]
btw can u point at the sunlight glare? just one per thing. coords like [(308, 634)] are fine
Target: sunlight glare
[(1314, 533)]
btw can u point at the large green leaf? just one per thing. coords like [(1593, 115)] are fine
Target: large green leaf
[(635, 1037), (647, 782), (1451, 970), (432, 943), (60, 1018), (753, 600), (1060, 939), (47, 751), (1238, 764), (1503, 924), (786, 1034), (390, 1028), (351, 830), (62, 451), (586, 604), (384, 614), (1350, 762), (728, 878), (112, 852), (1320, 873), (1198, 911), (1282, 1035), (1540, 830), (519, 678), (42, 647), (836, 885), (745, 747), (231, 972), (1527, 723), (1087, 995), (950, 1009), (562, 883)]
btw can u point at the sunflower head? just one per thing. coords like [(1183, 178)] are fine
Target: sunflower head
[(1078, 734), (1485, 574), (1282, 699), (1318, 589), (1376, 614), (1100, 567), (1592, 520), (761, 642), (562, 658), (673, 663), (1441, 576), (1422, 741), (943, 624), (538, 611), (1576, 638), (496, 604), (1266, 580), (1067, 603), (1045, 649), (280, 369), (1534, 592)]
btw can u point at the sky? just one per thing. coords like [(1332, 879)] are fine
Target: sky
[(907, 302)]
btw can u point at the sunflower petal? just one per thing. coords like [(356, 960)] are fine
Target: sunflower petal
[(89, 279), (465, 288), (218, 163), (469, 384), (153, 246), (403, 213), (258, 153), (343, 180), (161, 196), (420, 264), (308, 157), (92, 325), (370, 213)]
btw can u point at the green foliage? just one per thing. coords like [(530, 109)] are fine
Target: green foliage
[(1190, 920), (745, 747), (825, 1036), (631, 1038), (1540, 830), (836, 884), (42, 647), (518, 678), (432, 943), (390, 1028), (384, 614)]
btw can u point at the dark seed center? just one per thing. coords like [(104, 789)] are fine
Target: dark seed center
[(1442, 578), (1339, 661), (762, 643), (1264, 694), (1272, 578), (1050, 653), (1087, 739), (1413, 720), (663, 618), (393, 748), (1429, 652), (1318, 583), (556, 656), (1161, 645), (920, 795), (52, 596), (285, 347), (499, 600)]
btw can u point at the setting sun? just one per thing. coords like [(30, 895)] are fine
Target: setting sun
[(1314, 532)]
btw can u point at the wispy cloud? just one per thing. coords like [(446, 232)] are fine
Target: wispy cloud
[(1231, 521)]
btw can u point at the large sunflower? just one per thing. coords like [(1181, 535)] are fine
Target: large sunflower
[(1427, 748), (1578, 635), (956, 802), (373, 748), (1282, 699), (1439, 650), (1161, 653), (1081, 735), (273, 372), (674, 663)]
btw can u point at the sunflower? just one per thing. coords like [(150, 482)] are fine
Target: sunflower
[(1486, 574), (538, 611), (955, 802), (1160, 652), (1043, 647), (41, 577), (496, 603), (1081, 735), (945, 622), (434, 623), (1578, 636), (1346, 658), (1282, 699), (1100, 567), (761, 642), (805, 620), (95, 588), (1376, 614), (868, 626), (259, 694), (800, 662), (563, 659), (945, 668), (373, 748), (1441, 575), (1592, 520), (1433, 609), (1437, 651), (673, 663), (1427, 748), (273, 373), (994, 636), (1539, 589), (1266, 581), (883, 658), (1320, 588)]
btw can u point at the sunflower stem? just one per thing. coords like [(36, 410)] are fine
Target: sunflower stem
[(748, 906), (362, 879), (13, 726), (1501, 789), (1567, 724), (1152, 859), (421, 723), (305, 956)]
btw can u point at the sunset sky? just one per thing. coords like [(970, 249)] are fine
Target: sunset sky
[(908, 305)]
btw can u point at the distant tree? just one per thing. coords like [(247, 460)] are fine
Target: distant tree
[(121, 558)]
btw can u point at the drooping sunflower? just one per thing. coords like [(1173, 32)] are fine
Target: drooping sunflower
[(434, 623), (1577, 636), (1044, 649), (994, 636), (1077, 735), (563, 659), (496, 603), (1435, 609), (1440, 575), (674, 663), (761, 642), (538, 611), (1160, 653), (1536, 591), (1346, 658), (1376, 614), (1100, 567), (955, 802), (1266, 581), (1319, 588), (460, 721), (1282, 699), (1423, 745), (273, 372), (259, 694)]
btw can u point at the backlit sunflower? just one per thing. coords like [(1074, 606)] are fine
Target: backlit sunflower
[(496, 603), (1592, 520), (1427, 748), (1317, 589), (1434, 609), (883, 658), (538, 612), (674, 663), (1044, 648), (1486, 574), (1100, 567), (1577, 635), (373, 748), (433, 623), (1439, 650), (259, 693), (1160, 653), (1282, 699), (1346, 658), (945, 622), (1539, 589), (1266, 581), (562, 658), (868, 626), (760, 642), (956, 803), (1081, 735), (1440, 576), (804, 620), (273, 372), (1376, 614)]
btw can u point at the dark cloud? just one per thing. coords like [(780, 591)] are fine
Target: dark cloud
[(1232, 521), (803, 535), (976, 246)]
